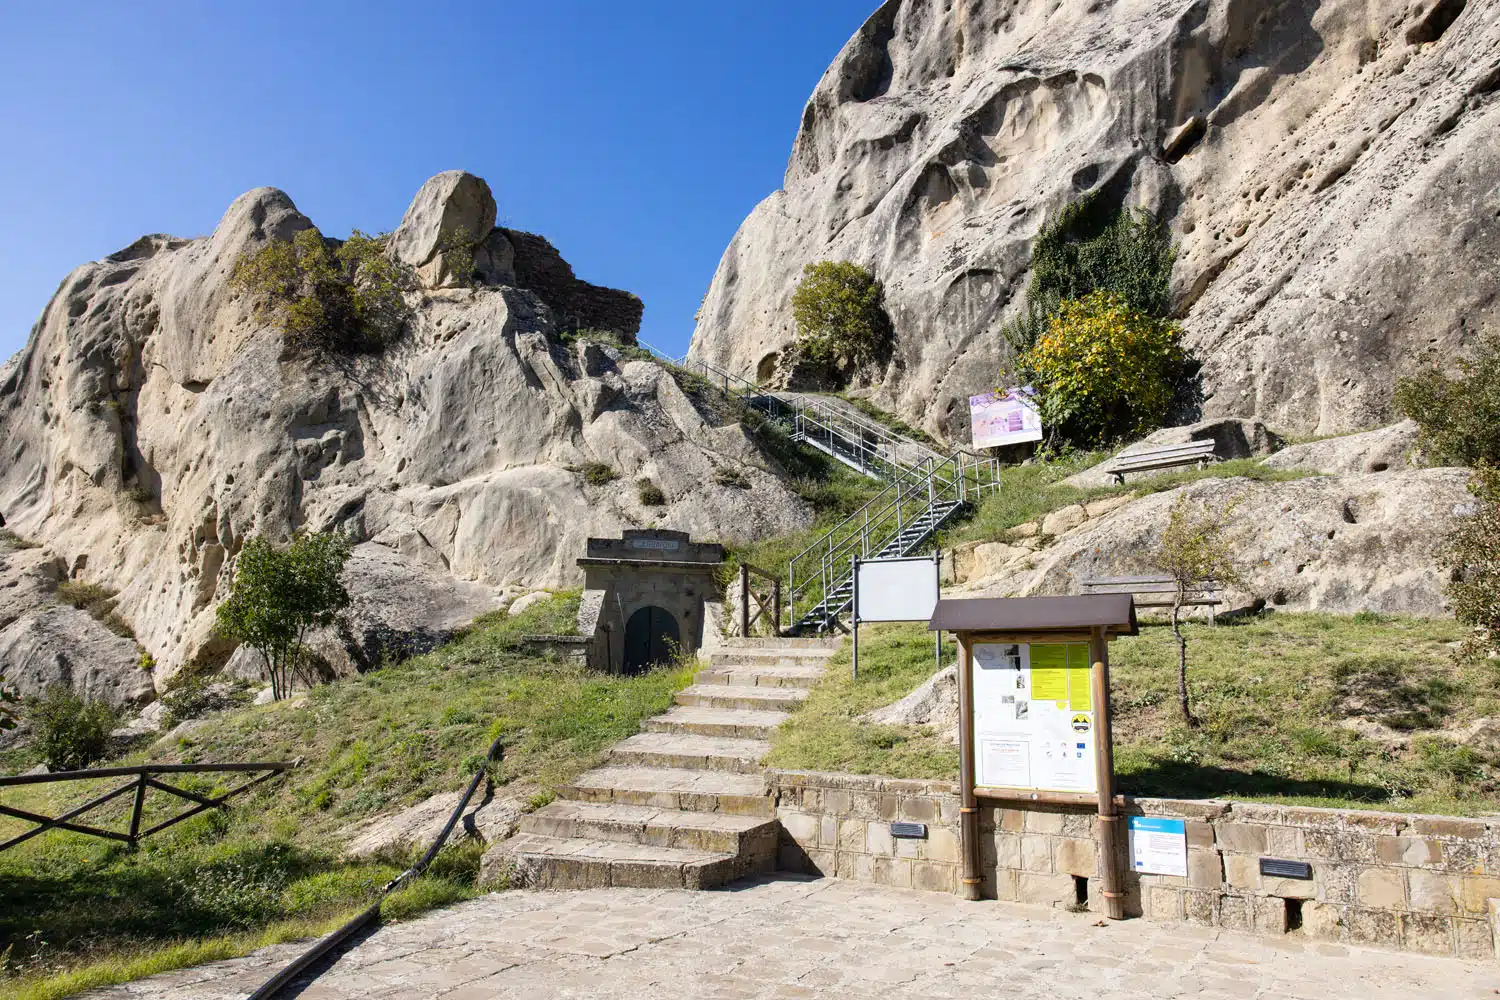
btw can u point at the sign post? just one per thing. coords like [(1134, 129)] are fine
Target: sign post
[(1034, 713)]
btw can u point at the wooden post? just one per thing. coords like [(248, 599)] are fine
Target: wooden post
[(744, 601), (1111, 840), (135, 811), (968, 812), (776, 604)]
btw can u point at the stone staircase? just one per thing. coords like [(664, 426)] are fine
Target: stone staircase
[(684, 804)]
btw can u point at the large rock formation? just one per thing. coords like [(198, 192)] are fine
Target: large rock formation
[(154, 422), (1344, 544), (1329, 167)]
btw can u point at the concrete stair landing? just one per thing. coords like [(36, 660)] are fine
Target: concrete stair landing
[(683, 804)]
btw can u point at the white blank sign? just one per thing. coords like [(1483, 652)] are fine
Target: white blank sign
[(896, 590)]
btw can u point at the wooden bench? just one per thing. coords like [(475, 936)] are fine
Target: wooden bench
[(1167, 456), (1156, 591)]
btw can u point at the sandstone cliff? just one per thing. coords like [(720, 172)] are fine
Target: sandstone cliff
[(1329, 168), (153, 423)]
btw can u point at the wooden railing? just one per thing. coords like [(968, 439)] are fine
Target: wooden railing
[(765, 590), (144, 778)]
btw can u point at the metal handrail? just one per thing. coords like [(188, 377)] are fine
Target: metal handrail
[(284, 978), (924, 491)]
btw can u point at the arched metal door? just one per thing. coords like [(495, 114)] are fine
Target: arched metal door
[(651, 637)]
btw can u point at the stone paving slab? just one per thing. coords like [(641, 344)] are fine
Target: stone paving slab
[(790, 938), (722, 753)]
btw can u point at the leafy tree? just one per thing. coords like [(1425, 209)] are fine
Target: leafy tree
[(345, 296), (71, 733), (1103, 369), (1472, 552), (8, 700), (1459, 417), (1090, 248), (842, 324), (279, 595), (1194, 548)]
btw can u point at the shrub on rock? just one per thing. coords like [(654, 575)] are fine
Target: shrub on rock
[(70, 732), (841, 320), (1472, 553), (1459, 417), (1104, 370)]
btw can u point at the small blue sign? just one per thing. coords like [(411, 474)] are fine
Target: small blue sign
[(1158, 845)]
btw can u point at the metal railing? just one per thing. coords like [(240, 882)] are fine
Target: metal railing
[(926, 490), (289, 974), (145, 777), (901, 520)]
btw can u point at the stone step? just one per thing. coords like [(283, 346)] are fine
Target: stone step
[(542, 862), (783, 642), (775, 699), (742, 723), (672, 788), (763, 676), (722, 833), (689, 750), (751, 657)]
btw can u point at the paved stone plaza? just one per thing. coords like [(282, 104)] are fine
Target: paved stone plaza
[(823, 938)]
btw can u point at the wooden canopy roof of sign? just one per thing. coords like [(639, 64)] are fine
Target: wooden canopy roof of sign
[(1113, 612)]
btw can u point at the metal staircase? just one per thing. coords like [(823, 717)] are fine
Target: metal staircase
[(926, 490)]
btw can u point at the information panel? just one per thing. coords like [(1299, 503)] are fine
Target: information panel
[(1158, 846), (1034, 716), (1000, 418), (897, 590)]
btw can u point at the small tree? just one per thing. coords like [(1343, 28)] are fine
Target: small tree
[(71, 733), (1103, 369), (1194, 548), (1459, 418), (841, 320), (1472, 553), (279, 595)]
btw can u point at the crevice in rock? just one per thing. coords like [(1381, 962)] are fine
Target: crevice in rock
[(1435, 21)]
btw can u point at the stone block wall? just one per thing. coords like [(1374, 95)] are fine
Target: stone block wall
[(1417, 883)]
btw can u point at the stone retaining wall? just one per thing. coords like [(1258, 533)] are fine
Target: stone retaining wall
[(1416, 883)]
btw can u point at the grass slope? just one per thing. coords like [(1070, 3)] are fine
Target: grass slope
[(77, 912), (1275, 693)]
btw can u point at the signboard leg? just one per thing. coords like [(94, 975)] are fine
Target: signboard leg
[(856, 649), (1111, 827), (968, 834)]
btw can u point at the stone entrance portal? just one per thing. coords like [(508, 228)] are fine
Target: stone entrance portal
[(652, 637), (644, 596)]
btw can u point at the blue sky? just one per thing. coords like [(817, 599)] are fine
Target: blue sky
[(635, 136)]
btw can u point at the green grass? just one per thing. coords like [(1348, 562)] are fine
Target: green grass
[(894, 422), (1270, 690), (370, 745), (825, 733)]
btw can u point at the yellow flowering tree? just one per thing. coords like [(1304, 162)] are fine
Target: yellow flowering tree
[(1103, 370)]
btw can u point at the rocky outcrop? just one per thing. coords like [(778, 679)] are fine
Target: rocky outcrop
[(1324, 543), (1394, 447), (154, 422), (1328, 167)]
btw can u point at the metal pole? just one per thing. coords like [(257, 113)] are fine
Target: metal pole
[(969, 884), (937, 635), (1111, 843), (855, 596)]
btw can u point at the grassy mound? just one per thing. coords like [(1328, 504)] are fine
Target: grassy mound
[(1368, 711), (77, 912)]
